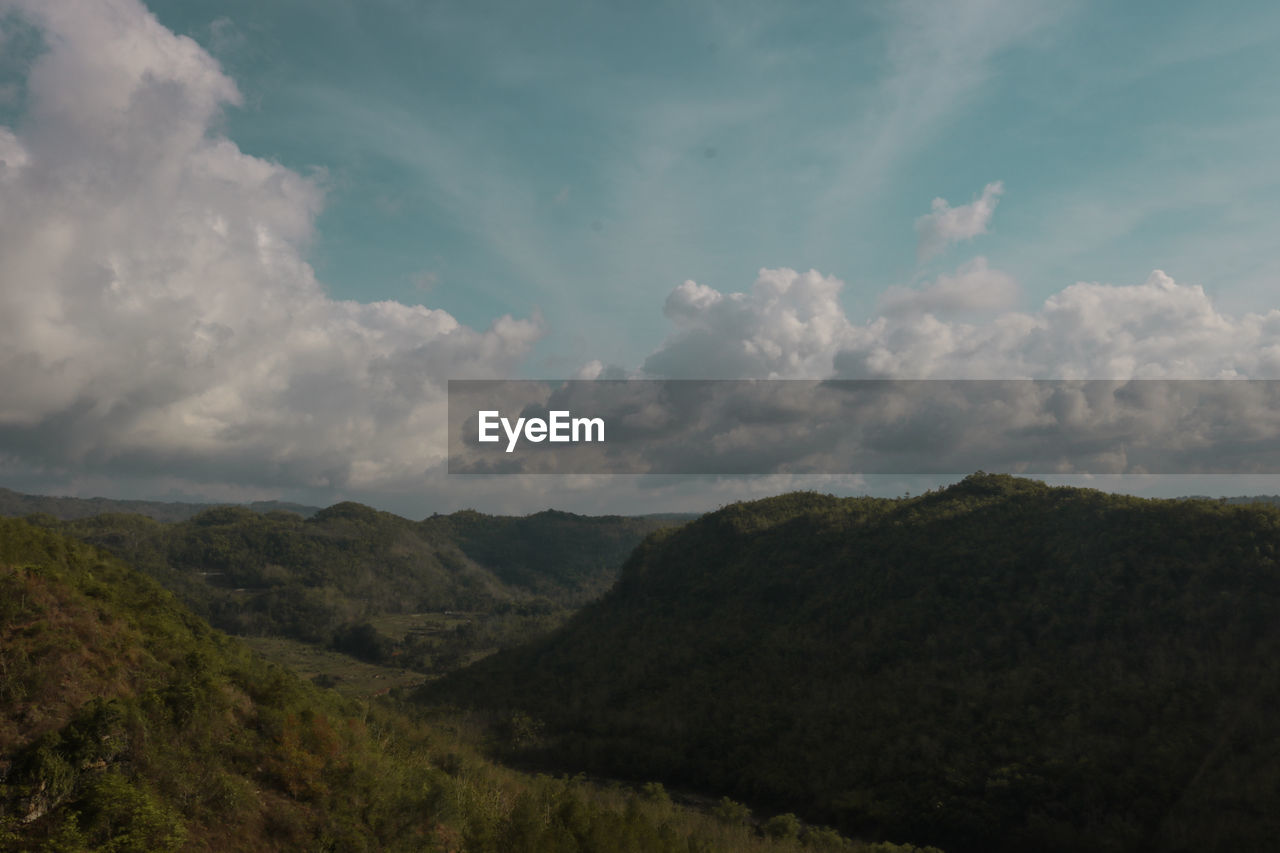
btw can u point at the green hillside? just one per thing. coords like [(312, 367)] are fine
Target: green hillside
[(129, 725), (326, 579), (997, 666), (126, 723)]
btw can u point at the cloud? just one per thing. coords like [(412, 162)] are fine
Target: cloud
[(426, 280), (591, 370), (225, 37), (938, 57), (157, 312), (946, 225), (791, 325), (975, 286), (13, 157), (788, 326), (1159, 329)]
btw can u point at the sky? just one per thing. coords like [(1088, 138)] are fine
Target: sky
[(244, 245)]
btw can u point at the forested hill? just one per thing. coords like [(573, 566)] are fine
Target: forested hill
[(278, 573), (553, 553), (127, 724), (997, 666), (16, 505)]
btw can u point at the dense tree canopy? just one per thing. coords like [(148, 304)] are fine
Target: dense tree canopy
[(999, 665)]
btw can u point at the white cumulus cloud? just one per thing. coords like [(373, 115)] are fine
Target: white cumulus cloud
[(157, 311), (975, 286), (791, 325), (788, 326), (1159, 329), (945, 225)]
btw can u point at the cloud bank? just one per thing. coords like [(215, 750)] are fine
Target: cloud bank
[(792, 326)]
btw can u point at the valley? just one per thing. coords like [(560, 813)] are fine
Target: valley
[(998, 665)]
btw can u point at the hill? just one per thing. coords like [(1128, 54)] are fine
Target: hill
[(129, 725), (567, 557), (329, 579), (16, 505), (126, 723), (997, 666)]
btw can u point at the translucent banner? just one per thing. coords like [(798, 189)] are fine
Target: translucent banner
[(713, 427)]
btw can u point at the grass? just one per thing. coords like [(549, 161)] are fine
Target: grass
[(344, 673)]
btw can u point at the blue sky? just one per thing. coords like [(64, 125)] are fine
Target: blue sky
[(585, 158), (243, 245)]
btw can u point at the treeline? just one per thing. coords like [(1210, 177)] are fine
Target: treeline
[(128, 724), (997, 666)]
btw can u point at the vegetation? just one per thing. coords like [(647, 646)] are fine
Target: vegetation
[(128, 724), (997, 666), (554, 554), (16, 505), (327, 580), (335, 670)]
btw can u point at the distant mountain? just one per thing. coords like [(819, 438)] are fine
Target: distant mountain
[(997, 666), (16, 505)]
